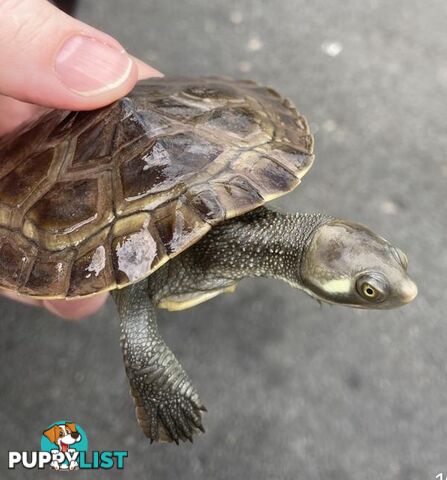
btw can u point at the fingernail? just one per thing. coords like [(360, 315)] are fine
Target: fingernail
[(90, 67), (145, 70)]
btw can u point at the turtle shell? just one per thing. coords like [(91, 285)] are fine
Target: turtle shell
[(92, 201)]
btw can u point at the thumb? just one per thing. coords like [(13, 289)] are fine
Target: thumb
[(51, 59)]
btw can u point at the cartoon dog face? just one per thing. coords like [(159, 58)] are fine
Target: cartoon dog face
[(63, 435)]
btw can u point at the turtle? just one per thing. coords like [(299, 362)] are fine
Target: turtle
[(160, 198)]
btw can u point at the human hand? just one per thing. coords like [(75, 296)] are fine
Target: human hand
[(49, 59)]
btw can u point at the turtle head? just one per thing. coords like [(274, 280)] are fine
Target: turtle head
[(348, 264)]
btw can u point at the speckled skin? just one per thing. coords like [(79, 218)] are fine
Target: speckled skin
[(167, 404), (260, 243)]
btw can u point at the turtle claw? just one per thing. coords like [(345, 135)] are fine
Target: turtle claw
[(172, 419)]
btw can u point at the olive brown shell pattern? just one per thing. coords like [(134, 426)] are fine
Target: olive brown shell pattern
[(92, 201)]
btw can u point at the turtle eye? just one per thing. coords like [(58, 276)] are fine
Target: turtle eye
[(372, 287), (369, 291)]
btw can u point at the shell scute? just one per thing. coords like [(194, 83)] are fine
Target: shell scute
[(236, 194), (68, 212), (242, 124), (204, 199), (50, 274), (165, 165), (178, 109), (136, 248), (91, 272), (94, 145), (178, 225), (21, 183), (291, 158), (267, 175), (136, 125), (92, 268), (212, 91), (17, 256)]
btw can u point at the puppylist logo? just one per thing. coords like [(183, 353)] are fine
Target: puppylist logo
[(64, 446)]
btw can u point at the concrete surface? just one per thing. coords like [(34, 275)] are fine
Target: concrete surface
[(293, 390)]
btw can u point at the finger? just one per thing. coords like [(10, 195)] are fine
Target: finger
[(54, 60), (20, 298), (68, 309), (13, 113), (19, 112), (75, 309)]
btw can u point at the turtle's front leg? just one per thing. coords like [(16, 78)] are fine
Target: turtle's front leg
[(168, 406)]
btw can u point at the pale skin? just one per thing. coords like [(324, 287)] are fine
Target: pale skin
[(51, 60)]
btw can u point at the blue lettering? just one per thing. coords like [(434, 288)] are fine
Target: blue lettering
[(107, 460), (82, 461), (95, 460), (120, 456), (104, 460)]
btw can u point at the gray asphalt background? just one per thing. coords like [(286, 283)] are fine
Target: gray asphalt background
[(293, 390)]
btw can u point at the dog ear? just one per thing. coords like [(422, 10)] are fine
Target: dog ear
[(71, 426), (51, 434)]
